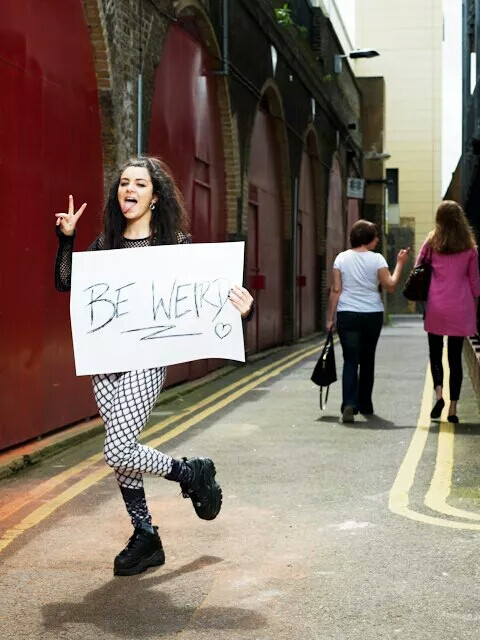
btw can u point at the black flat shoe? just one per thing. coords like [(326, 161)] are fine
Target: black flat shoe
[(453, 419), (348, 413), (367, 412), (355, 410), (437, 409)]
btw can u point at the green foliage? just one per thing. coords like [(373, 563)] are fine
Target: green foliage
[(283, 15), (284, 18), (303, 31)]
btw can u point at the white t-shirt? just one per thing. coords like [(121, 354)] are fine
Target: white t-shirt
[(359, 270)]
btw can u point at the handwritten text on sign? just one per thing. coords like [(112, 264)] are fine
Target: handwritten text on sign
[(153, 306)]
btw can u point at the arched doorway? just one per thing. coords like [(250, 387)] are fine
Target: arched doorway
[(185, 131), (44, 155), (265, 258), (306, 275)]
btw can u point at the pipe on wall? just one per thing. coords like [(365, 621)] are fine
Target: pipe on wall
[(139, 113), (225, 37), (140, 90), (225, 42)]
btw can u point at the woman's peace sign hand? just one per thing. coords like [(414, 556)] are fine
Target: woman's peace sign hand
[(68, 221)]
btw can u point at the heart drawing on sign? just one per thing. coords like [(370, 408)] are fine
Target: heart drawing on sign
[(222, 330)]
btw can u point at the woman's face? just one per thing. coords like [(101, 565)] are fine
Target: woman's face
[(135, 193), (371, 245)]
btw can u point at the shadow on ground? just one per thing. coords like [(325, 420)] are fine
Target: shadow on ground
[(365, 422), (134, 608)]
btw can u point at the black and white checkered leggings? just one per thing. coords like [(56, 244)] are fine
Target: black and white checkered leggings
[(125, 401)]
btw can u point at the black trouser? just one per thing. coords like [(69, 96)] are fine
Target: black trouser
[(359, 333), (454, 350)]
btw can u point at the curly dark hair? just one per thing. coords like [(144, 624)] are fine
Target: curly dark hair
[(168, 216)]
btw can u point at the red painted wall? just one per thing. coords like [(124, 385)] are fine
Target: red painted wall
[(353, 213), (265, 237), (307, 292), (50, 146), (185, 132), (335, 224)]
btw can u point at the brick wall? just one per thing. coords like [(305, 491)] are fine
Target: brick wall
[(128, 35)]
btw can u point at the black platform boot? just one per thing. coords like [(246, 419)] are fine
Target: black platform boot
[(204, 492), (143, 550)]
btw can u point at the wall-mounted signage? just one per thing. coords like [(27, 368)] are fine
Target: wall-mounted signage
[(355, 187)]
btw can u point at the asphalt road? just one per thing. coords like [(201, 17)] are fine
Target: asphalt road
[(328, 531)]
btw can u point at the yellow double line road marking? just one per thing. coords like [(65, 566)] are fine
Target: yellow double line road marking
[(436, 498), (399, 495), (213, 403), (440, 486)]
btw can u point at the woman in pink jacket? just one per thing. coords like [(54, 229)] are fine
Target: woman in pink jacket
[(451, 309)]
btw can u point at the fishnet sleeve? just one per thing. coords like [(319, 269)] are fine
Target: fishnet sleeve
[(183, 238), (63, 260)]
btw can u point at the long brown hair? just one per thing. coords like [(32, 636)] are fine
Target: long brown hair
[(168, 216), (452, 233)]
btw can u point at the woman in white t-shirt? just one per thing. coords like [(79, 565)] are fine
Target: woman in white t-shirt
[(355, 298)]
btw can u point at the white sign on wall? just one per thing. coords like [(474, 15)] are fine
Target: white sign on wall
[(154, 306), (355, 187)]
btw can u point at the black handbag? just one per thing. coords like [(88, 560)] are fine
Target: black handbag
[(418, 282), (325, 371)]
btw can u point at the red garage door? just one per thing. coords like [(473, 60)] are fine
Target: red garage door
[(50, 146), (185, 132), (306, 255), (265, 250), (335, 224)]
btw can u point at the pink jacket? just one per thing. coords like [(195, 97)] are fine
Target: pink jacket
[(455, 285)]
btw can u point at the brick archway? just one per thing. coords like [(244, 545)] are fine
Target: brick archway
[(96, 22)]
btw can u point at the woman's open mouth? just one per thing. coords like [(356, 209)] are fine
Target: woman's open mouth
[(128, 204)]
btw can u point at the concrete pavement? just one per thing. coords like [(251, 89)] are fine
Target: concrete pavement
[(350, 532)]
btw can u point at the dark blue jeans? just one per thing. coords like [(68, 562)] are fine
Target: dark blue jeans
[(359, 333)]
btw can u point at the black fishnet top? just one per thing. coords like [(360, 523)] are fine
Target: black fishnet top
[(63, 260)]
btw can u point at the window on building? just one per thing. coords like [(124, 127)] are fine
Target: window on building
[(392, 186)]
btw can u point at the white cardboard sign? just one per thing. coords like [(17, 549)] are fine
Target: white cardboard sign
[(154, 306)]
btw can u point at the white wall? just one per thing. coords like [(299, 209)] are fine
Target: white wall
[(342, 13), (409, 37), (452, 90)]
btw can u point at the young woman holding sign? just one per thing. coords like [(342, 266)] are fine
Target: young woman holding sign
[(144, 208)]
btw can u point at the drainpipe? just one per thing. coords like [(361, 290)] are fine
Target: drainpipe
[(139, 104), (464, 178), (225, 41), (294, 259), (140, 88)]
